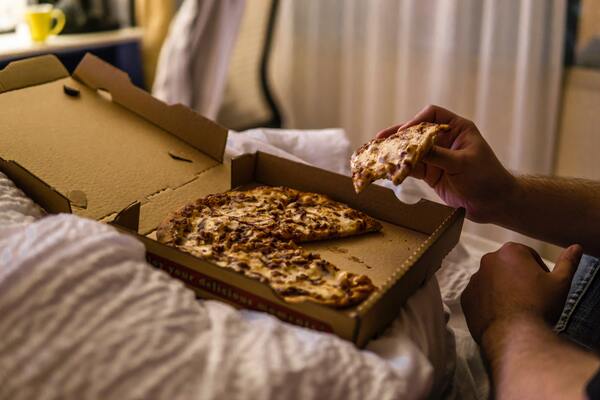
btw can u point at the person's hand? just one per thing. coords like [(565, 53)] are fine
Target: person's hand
[(462, 168), (514, 282)]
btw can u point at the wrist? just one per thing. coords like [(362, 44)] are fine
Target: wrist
[(526, 359), (495, 335), (510, 199)]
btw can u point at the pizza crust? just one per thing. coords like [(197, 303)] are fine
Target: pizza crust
[(393, 157)]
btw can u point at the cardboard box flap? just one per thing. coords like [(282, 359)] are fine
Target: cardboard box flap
[(242, 169), (36, 189), (192, 128), (128, 218), (31, 72)]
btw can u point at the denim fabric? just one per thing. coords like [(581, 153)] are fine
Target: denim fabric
[(593, 387), (580, 319)]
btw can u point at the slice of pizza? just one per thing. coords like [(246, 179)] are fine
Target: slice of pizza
[(393, 157), (297, 275), (315, 216), (292, 215)]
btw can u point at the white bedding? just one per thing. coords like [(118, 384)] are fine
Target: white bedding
[(83, 316)]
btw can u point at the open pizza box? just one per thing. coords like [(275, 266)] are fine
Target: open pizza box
[(111, 152)]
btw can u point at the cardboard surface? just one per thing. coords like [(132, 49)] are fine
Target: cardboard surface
[(30, 72), (372, 254), (213, 180), (181, 121), (96, 147)]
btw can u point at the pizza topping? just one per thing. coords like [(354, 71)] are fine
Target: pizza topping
[(255, 233), (393, 157)]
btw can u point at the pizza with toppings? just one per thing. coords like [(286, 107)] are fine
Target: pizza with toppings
[(256, 232), (393, 157)]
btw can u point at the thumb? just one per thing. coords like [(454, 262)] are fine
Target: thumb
[(446, 159), (387, 132), (567, 262)]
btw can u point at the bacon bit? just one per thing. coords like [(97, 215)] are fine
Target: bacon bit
[(323, 265), (219, 248), (243, 265), (293, 291)]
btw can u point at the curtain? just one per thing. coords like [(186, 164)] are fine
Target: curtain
[(193, 61), (365, 65)]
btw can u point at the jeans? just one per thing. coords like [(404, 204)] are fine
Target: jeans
[(580, 319)]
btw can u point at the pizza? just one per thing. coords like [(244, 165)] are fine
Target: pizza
[(257, 233), (393, 157)]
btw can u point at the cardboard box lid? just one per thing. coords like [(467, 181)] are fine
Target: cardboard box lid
[(108, 147)]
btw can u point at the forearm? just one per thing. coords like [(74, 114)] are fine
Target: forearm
[(528, 361), (562, 211)]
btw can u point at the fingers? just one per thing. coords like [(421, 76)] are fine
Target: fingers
[(538, 259), (567, 262), (431, 113), (418, 171), (387, 132), (529, 251), (451, 161)]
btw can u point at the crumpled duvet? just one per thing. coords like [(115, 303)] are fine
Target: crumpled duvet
[(83, 316)]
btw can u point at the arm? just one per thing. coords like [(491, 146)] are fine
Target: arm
[(465, 172), (557, 210), (510, 305), (528, 361)]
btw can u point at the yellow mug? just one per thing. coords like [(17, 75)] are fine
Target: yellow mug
[(40, 19)]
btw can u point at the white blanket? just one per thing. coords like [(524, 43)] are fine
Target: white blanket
[(83, 316)]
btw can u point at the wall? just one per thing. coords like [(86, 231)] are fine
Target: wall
[(579, 129)]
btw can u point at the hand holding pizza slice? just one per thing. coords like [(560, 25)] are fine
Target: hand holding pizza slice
[(395, 156), (461, 167)]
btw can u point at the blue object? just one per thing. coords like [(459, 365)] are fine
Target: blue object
[(123, 55), (580, 319)]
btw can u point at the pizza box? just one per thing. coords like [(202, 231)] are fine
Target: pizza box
[(111, 152)]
